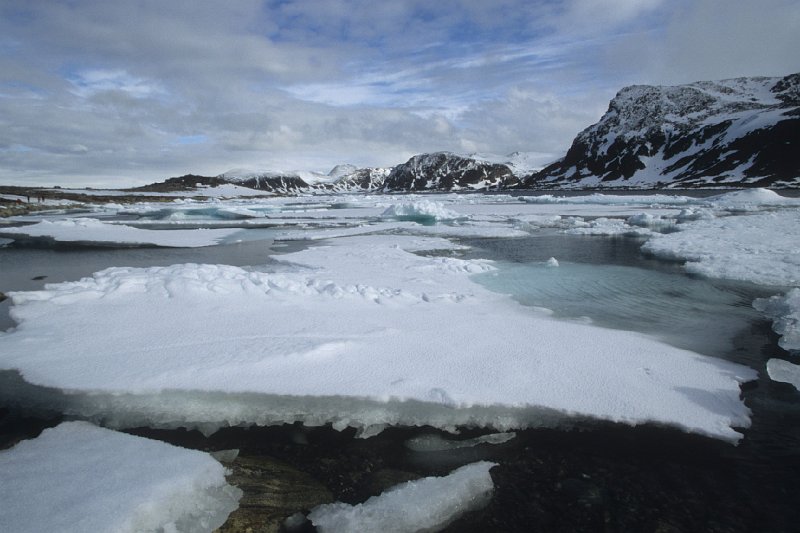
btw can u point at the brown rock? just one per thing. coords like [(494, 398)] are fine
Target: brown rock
[(273, 491)]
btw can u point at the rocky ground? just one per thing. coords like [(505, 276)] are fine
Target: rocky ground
[(32, 199)]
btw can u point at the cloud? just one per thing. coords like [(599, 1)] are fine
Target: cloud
[(126, 92), (713, 39), (93, 81), (723, 39)]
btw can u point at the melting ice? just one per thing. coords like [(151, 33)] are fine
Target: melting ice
[(378, 322)]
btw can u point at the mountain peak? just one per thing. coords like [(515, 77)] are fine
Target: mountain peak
[(741, 131)]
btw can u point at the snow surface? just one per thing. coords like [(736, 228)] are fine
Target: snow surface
[(224, 190), (611, 199), (761, 248), (751, 199), (77, 477), (90, 230), (427, 504), (609, 226), (361, 333)]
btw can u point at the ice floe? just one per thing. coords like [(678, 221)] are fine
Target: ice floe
[(77, 477), (609, 227), (362, 333), (784, 371), (435, 443), (785, 314), (427, 504), (761, 248), (751, 199), (610, 199), (91, 230), (420, 210)]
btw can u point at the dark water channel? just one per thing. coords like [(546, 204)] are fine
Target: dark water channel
[(599, 477)]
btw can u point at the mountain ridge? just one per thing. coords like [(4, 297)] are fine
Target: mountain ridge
[(740, 132)]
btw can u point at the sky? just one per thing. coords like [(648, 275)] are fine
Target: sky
[(122, 93)]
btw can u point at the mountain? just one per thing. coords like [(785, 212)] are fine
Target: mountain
[(342, 178), (360, 180), (275, 182), (188, 182), (743, 132), (444, 171), (520, 163), (440, 171), (738, 132)]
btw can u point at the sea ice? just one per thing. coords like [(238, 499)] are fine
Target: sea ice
[(760, 248), (785, 314), (751, 199), (435, 443), (610, 199), (90, 230), (421, 210), (610, 227), (784, 371), (362, 333), (78, 477), (427, 504)]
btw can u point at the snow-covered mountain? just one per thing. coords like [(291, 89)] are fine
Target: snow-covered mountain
[(520, 163), (440, 171), (342, 178), (270, 181), (445, 171), (743, 132), (360, 180), (739, 132)]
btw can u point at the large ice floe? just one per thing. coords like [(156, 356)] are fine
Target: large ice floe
[(77, 477), (427, 504), (361, 332), (760, 248), (93, 231)]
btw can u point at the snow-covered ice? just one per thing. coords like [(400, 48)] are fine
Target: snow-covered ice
[(427, 504), (363, 333), (91, 230), (77, 477), (610, 227), (420, 210), (751, 199), (760, 248)]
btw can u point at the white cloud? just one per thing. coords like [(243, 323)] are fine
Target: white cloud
[(92, 81), (122, 91), (715, 39)]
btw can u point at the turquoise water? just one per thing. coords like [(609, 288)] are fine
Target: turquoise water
[(609, 283)]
